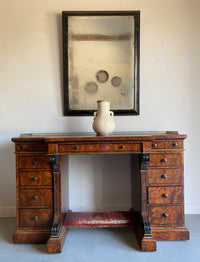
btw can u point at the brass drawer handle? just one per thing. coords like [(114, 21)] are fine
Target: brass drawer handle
[(122, 147), (164, 176), (165, 215), (35, 178), (76, 147), (155, 145), (175, 144), (35, 163), (165, 195), (35, 218), (35, 197), (164, 160)]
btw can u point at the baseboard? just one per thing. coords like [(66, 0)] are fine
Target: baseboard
[(7, 211), (192, 208)]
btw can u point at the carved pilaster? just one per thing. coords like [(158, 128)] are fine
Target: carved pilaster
[(56, 226), (147, 234)]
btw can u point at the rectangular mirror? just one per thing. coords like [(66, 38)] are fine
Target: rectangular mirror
[(101, 61)]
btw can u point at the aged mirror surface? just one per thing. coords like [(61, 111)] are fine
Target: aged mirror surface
[(101, 61)]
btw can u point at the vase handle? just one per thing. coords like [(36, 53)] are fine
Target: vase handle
[(111, 113), (95, 114)]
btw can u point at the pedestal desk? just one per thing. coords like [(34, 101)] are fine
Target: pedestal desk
[(157, 164)]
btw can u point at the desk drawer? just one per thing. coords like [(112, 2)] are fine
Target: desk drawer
[(165, 195), (164, 176), (165, 159), (34, 162), (167, 145), (35, 217), (78, 148), (99, 148), (121, 147), (35, 178), (35, 197), (32, 147), (166, 215)]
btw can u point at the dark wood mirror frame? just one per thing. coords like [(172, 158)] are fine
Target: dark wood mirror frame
[(134, 82)]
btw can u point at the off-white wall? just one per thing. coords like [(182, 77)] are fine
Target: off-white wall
[(31, 92)]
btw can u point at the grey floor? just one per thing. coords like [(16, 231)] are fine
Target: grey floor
[(94, 245)]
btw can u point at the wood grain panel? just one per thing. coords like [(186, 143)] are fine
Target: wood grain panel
[(34, 162), (176, 144), (165, 215), (165, 159), (165, 195), (35, 197), (25, 147), (35, 178), (28, 217), (165, 176)]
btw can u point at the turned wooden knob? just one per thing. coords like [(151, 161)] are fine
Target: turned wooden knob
[(155, 145), (175, 144), (164, 176), (35, 218), (165, 215), (122, 147), (35, 178), (35, 197), (164, 160), (165, 195), (76, 147)]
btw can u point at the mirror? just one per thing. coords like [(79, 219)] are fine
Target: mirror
[(101, 61)]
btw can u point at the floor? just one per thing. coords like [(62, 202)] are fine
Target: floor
[(95, 245)]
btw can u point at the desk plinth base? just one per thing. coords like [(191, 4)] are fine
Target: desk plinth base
[(31, 236), (147, 242), (55, 244)]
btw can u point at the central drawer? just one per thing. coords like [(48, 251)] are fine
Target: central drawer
[(35, 197), (98, 147), (79, 148), (167, 195)]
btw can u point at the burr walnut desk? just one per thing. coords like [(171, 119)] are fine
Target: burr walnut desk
[(158, 193)]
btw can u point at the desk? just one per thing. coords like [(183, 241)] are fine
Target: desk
[(158, 191)]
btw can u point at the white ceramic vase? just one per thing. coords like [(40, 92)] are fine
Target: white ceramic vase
[(103, 123)]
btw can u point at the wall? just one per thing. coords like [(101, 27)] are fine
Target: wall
[(31, 92)]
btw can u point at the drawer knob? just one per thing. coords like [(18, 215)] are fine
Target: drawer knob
[(35, 197), (35, 218), (35, 163), (164, 160), (35, 178), (22, 147), (165, 215), (76, 147), (122, 147), (165, 195), (175, 144), (164, 176), (154, 145)]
